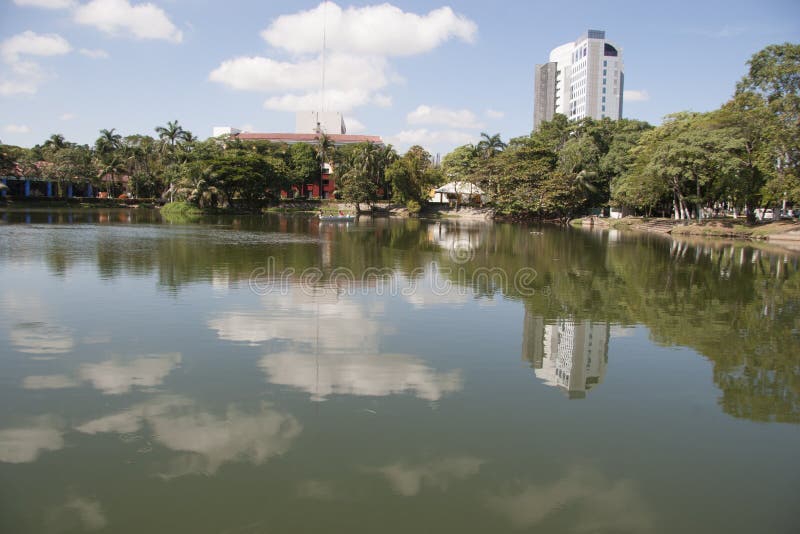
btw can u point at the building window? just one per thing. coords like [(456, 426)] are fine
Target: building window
[(605, 63), (604, 100), (604, 81), (604, 72), (603, 109), (604, 90)]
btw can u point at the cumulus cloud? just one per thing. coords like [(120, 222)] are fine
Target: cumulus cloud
[(494, 114), (26, 76), (17, 128), (634, 95), (452, 118), (94, 53), (350, 81), (265, 74), (380, 30), (46, 4), (33, 44), (359, 41), (120, 17)]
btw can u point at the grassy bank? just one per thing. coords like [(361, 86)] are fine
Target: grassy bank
[(728, 228), (180, 212), (735, 228)]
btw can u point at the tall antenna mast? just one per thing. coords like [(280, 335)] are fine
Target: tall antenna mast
[(324, 46)]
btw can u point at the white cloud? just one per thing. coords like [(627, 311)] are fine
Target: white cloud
[(33, 44), (635, 95), (27, 76), (114, 378), (380, 30), (115, 17), (350, 81), (17, 128), (94, 53), (427, 138), (26, 79), (408, 480), (452, 118), (354, 125), (494, 114), (46, 4), (359, 41), (67, 116)]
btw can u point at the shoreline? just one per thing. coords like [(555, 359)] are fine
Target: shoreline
[(785, 233)]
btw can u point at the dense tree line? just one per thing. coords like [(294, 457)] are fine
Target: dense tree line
[(224, 171), (739, 157)]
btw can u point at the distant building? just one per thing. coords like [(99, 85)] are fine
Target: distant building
[(309, 126), (584, 78)]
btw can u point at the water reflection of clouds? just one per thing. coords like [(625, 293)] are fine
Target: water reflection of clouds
[(112, 377), (77, 513), (41, 338), (206, 440), (30, 327), (359, 374), (116, 377), (25, 444), (409, 479), (49, 382), (331, 346), (593, 502)]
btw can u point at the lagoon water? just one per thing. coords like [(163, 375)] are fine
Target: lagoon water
[(278, 374)]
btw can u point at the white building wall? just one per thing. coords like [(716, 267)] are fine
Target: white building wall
[(584, 71)]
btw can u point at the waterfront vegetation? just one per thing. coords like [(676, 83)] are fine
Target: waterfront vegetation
[(742, 156)]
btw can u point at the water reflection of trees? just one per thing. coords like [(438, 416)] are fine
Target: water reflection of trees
[(734, 303)]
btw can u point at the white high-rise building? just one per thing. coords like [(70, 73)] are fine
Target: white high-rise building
[(584, 78)]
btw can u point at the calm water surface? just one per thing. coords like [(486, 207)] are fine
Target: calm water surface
[(274, 374)]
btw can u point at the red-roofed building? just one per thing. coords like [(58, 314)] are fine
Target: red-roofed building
[(309, 125)]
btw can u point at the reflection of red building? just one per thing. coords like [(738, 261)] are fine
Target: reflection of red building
[(327, 183)]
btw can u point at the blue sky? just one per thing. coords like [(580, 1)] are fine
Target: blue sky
[(436, 73)]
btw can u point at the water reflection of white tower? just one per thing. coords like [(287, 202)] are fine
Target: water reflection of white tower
[(571, 355)]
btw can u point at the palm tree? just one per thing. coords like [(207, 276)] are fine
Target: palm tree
[(173, 134), (108, 142), (490, 145), (56, 141)]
